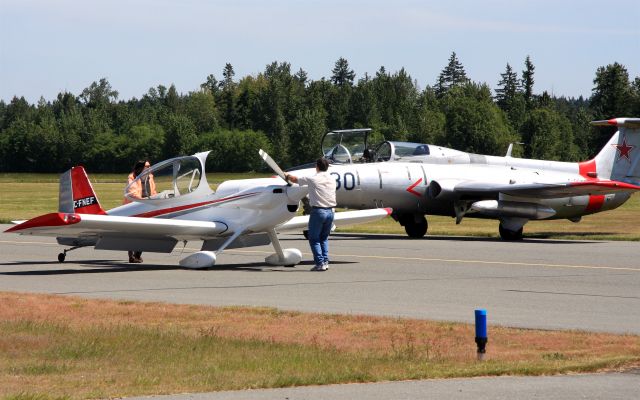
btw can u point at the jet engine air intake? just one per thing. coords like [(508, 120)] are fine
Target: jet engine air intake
[(443, 189), (434, 190)]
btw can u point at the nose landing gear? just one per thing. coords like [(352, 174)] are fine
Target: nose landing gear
[(415, 226)]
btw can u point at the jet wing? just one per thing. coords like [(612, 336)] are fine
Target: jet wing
[(126, 228), (545, 190), (340, 219)]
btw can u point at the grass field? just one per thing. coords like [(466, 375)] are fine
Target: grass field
[(64, 347), (27, 195)]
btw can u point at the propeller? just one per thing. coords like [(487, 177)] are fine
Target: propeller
[(274, 166)]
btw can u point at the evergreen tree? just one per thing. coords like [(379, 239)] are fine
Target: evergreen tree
[(342, 75), (227, 97), (527, 81), (635, 97), (507, 87), (171, 99), (301, 76), (451, 76)]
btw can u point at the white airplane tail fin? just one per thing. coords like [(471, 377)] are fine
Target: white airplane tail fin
[(76, 193), (619, 159)]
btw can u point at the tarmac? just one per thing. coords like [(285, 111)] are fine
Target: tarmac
[(545, 284)]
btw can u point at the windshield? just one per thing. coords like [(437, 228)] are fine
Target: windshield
[(396, 150), (168, 179), (345, 146), (407, 149)]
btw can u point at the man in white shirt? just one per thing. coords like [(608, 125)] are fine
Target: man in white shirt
[(322, 198)]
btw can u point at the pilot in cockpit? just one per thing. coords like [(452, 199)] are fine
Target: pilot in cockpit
[(148, 182), (135, 190)]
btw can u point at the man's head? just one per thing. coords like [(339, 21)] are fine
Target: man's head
[(322, 164)]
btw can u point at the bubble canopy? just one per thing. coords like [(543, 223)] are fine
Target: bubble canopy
[(168, 179)]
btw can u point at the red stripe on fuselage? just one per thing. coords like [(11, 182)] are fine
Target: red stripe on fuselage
[(595, 203), (164, 211)]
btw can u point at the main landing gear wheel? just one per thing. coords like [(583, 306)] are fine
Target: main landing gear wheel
[(61, 257), (415, 229), (509, 235)]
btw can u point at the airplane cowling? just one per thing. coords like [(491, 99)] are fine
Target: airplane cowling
[(291, 257), (201, 259)]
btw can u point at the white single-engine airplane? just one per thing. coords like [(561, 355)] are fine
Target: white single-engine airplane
[(419, 179), (240, 213)]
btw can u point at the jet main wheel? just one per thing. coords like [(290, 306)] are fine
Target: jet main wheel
[(415, 229), (507, 234), (61, 257)]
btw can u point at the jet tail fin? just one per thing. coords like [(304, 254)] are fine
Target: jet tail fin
[(619, 159), (77, 194)]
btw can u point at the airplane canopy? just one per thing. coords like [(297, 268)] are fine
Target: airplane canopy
[(169, 179)]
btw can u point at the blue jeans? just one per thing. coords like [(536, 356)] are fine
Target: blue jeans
[(320, 222)]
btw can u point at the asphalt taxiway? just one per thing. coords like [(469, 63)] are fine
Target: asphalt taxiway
[(548, 284)]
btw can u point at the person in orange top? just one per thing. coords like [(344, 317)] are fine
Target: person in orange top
[(148, 183), (134, 190)]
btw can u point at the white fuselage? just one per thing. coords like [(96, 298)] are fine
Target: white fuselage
[(403, 185), (253, 204)]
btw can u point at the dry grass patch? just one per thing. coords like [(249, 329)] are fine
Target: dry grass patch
[(81, 348)]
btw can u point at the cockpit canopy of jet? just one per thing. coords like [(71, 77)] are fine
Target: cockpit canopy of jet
[(353, 146)]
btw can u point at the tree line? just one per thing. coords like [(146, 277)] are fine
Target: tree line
[(286, 113)]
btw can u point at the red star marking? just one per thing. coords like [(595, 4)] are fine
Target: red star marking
[(413, 192), (624, 149)]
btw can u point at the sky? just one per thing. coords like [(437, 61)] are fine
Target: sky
[(52, 46)]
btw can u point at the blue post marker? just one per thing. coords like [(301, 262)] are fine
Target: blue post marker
[(481, 332)]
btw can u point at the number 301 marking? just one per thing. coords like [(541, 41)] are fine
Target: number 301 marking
[(348, 181)]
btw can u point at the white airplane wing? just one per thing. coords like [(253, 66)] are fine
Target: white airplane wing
[(340, 219), (120, 233), (545, 190)]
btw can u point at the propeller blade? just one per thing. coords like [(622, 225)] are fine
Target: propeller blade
[(274, 166)]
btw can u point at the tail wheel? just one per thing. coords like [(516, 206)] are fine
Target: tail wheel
[(416, 229), (509, 235)]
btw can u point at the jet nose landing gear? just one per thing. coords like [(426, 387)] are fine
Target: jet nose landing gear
[(415, 225), (510, 235)]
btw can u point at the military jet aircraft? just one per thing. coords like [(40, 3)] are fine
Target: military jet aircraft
[(419, 179), (240, 213)]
